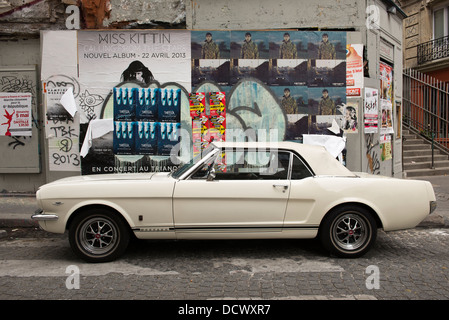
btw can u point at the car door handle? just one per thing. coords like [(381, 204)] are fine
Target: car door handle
[(283, 186)]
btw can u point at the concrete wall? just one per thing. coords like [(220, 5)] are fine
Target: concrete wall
[(16, 54), (389, 32), (265, 14)]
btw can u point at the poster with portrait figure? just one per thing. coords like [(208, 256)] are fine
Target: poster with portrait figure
[(386, 117), (326, 100), (293, 99), (250, 44), (141, 57), (350, 118), (211, 53), (133, 59), (210, 44), (288, 45), (327, 45), (386, 82)]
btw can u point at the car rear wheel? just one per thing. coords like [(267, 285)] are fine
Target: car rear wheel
[(98, 235), (348, 232)]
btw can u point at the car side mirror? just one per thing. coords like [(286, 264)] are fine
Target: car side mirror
[(211, 174)]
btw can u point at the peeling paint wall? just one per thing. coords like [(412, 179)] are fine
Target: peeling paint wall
[(260, 14), (24, 19), (147, 13)]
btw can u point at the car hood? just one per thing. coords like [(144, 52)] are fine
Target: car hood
[(112, 177)]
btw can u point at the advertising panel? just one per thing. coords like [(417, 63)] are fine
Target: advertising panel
[(274, 85), (15, 114)]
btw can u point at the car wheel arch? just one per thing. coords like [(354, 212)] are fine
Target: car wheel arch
[(373, 212), (98, 233), (87, 207)]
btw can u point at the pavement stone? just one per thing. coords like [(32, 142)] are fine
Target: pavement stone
[(16, 208)]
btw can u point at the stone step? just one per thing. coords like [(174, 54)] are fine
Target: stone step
[(427, 172), (425, 165), (417, 147), (423, 152), (415, 141), (417, 157), (423, 157)]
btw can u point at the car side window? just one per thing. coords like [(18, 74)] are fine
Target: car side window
[(252, 165), (299, 169)]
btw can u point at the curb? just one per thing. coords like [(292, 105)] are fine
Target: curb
[(18, 223), (18, 194)]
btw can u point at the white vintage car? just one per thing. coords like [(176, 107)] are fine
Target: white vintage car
[(234, 191)]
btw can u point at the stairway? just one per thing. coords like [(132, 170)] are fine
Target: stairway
[(417, 157)]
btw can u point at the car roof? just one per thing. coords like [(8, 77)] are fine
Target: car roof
[(317, 157)]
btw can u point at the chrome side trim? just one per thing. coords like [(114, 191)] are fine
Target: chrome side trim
[(44, 217)]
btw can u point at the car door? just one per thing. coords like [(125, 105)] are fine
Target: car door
[(248, 195)]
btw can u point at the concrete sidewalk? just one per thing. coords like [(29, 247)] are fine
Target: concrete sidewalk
[(16, 209), (439, 218)]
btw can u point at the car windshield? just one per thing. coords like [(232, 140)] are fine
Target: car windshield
[(183, 168)]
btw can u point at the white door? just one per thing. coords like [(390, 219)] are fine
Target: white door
[(249, 194)]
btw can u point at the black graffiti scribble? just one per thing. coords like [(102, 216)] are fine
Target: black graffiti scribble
[(371, 154), (89, 101), (15, 84), (65, 145), (63, 81), (16, 142)]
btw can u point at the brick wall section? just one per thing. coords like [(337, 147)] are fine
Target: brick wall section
[(25, 18)]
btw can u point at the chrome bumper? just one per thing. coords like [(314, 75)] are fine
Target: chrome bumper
[(40, 216)]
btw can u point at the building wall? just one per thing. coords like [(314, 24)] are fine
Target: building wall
[(20, 45), (418, 29), (346, 15)]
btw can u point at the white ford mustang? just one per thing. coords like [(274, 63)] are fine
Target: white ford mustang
[(234, 191)]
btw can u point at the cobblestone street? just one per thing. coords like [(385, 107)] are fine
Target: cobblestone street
[(403, 265)]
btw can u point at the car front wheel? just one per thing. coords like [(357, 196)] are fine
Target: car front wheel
[(98, 235), (348, 232)]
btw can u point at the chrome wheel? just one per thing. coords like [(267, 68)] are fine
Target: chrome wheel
[(98, 236), (349, 232)]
